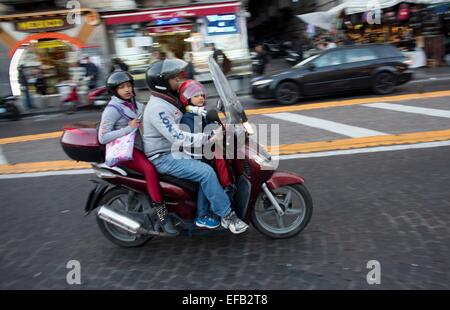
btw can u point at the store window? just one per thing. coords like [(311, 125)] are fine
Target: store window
[(358, 54), (46, 64)]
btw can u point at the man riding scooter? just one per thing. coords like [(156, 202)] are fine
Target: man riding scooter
[(161, 119), (277, 203)]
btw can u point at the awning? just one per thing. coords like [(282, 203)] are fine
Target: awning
[(327, 20), (168, 13)]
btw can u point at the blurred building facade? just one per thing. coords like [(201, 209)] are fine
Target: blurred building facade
[(420, 28), (179, 28), (48, 40), (132, 30)]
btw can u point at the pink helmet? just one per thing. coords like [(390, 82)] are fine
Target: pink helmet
[(189, 89)]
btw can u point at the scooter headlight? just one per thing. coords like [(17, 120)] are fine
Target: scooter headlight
[(265, 163)]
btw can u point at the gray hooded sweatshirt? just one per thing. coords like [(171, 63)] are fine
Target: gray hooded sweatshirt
[(115, 124), (162, 131)]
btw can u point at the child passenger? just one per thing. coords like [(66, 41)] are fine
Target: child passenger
[(193, 96)]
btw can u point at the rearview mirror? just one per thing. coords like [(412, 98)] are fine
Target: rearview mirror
[(311, 66), (212, 116)]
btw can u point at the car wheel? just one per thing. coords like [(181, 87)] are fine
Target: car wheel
[(287, 93), (384, 83)]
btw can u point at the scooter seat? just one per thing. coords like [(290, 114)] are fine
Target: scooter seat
[(186, 184)]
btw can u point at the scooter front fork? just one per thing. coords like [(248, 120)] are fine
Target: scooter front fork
[(272, 199)]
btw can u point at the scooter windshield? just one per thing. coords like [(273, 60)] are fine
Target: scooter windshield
[(234, 112)]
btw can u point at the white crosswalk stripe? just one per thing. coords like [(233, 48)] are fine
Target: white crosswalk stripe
[(345, 130), (3, 160), (409, 109)]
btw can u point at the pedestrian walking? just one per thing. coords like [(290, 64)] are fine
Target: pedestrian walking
[(23, 81), (260, 60), (190, 69), (91, 72)]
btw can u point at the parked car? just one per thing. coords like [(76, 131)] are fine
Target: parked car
[(378, 67)]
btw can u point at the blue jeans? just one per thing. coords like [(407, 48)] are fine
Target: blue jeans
[(210, 193), (27, 98)]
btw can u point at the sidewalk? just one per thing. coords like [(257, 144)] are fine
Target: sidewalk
[(52, 103), (426, 73)]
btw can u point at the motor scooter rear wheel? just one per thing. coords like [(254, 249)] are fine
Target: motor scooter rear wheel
[(297, 204), (117, 199)]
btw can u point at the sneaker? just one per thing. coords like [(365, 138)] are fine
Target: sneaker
[(207, 222), (233, 223)]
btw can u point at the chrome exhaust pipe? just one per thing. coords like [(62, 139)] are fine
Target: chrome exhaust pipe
[(119, 220)]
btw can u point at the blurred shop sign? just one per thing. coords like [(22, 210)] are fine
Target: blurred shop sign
[(49, 44), (171, 15), (221, 24), (171, 21), (180, 28), (40, 25), (125, 32)]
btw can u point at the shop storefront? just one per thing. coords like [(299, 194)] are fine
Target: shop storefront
[(418, 27), (48, 46), (419, 30), (139, 37)]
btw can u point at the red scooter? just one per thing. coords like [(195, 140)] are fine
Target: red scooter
[(277, 203)]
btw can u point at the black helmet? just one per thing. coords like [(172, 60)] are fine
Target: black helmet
[(159, 72), (116, 78)]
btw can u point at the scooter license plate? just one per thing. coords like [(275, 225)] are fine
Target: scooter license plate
[(2, 110)]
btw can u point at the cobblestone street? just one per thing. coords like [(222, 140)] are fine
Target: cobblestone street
[(391, 207)]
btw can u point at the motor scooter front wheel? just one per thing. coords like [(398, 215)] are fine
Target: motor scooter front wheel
[(297, 204), (117, 199)]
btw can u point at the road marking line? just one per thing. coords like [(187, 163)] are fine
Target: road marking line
[(409, 109), (345, 130), (28, 138), (3, 160), (286, 149), (345, 144), (365, 150), (282, 157), (343, 103), (43, 166), (46, 174)]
